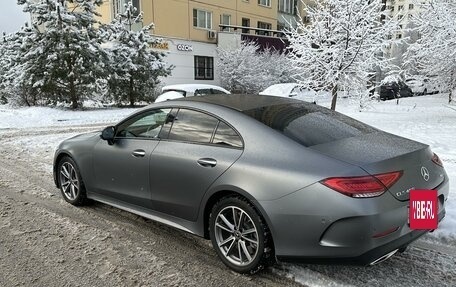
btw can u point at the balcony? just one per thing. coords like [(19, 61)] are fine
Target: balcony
[(265, 38)]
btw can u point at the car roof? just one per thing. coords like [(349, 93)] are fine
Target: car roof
[(242, 102), (191, 88)]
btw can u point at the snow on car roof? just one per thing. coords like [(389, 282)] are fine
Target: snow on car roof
[(170, 95), (283, 90), (191, 88)]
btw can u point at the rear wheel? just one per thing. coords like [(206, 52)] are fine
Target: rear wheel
[(239, 235), (70, 182)]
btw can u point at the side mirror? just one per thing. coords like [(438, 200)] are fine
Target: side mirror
[(108, 134)]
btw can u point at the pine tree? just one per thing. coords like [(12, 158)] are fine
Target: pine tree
[(67, 48), (20, 70), (135, 68)]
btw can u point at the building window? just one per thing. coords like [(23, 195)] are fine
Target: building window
[(288, 6), (264, 25), (411, 6), (118, 6), (245, 23), (392, 8), (400, 7), (398, 36), (202, 19), (264, 3), (204, 68), (281, 26), (399, 17), (225, 19)]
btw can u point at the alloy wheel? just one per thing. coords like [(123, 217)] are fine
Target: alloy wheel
[(69, 182), (236, 236)]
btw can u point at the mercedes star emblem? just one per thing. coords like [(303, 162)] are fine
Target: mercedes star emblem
[(425, 173)]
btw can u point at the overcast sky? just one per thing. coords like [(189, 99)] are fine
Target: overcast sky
[(11, 16)]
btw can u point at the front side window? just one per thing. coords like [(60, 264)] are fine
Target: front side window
[(202, 19), (193, 126), (204, 68), (264, 3), (144, 125)]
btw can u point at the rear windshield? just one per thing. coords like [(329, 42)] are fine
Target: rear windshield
[(309, 124)]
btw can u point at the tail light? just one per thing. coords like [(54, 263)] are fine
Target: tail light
[(363, 186), (436, 160)]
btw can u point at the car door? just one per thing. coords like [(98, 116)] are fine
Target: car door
[(197, 150), (122, 168)]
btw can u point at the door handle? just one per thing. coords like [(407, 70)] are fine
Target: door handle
[(139, 153), (207, 162)]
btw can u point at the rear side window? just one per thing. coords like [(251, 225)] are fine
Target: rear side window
[(226, 136), (309, 124), (192, 126)]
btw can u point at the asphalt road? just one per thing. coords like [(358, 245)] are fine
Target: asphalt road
[(46, 242)]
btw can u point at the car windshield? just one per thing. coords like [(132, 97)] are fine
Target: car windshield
[(309, 124)]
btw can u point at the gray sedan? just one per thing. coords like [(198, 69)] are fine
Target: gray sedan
[(264, 178)]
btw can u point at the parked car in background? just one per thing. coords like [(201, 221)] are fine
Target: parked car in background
[(422, 85), (392, 87), (417, 86), (293, 90), (286, 90), (189, 90)]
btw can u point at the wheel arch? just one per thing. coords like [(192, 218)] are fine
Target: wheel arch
[(233, 191)]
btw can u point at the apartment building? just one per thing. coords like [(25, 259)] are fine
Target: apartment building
[(192, 29), (403, 11)]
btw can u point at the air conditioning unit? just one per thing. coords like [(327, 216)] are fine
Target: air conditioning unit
[(211, 34)]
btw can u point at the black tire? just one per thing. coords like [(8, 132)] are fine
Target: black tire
[(234, 252), (71, 184)]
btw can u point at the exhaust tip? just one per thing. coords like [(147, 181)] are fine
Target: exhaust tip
[(383, 258)]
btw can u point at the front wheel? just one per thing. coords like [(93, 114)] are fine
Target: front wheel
[(70, 182), (239, 235)]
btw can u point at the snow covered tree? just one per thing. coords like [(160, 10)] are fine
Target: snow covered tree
[(135, 68), (341, 45), (19, 70), (433, 54), (65, 57), (246, 69)]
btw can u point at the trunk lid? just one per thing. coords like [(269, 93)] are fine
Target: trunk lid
[(381, 152)]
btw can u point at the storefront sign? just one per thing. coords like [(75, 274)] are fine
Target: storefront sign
[(184, 47), (160, 45)]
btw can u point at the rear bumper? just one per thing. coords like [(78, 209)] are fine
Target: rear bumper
[(319, 225), (367, 257)]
